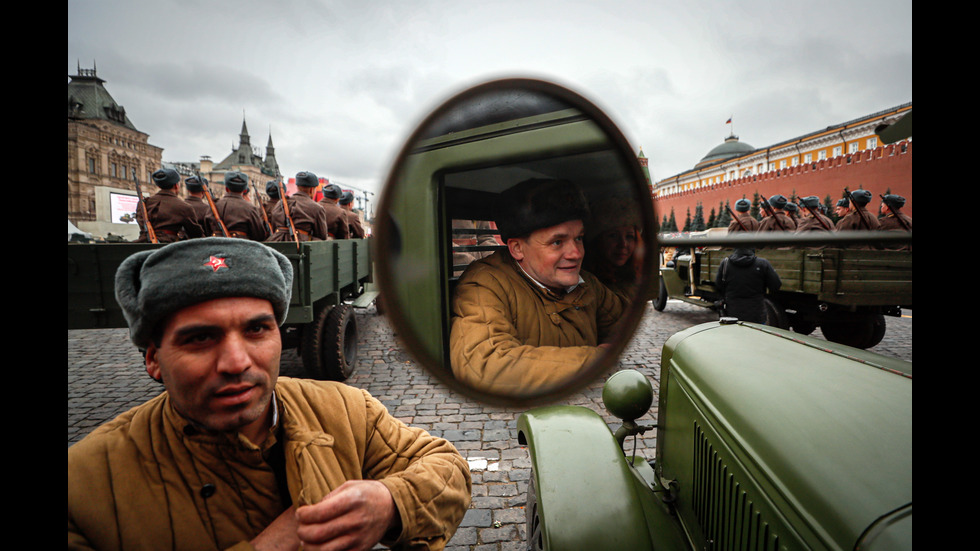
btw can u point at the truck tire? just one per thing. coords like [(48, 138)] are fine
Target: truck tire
[(329, 344), (802, 325), (863, 332), (660, 302), (535, 542), (775, 314)]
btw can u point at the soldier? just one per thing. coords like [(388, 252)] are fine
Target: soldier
[(170, 216), (813, 219), (353, 219), (859, 218), (308, 217), (777, 221), (743, 220), (240, 217), (272, 191), (793, 211), (893, 219), (195, 198), (336, 217), (842, 208)]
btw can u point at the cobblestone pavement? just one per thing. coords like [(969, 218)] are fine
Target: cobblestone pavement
[(105, 378)]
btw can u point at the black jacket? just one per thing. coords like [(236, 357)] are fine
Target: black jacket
[(743, 279)]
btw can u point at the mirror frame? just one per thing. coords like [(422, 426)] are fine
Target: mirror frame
[(386, 232)]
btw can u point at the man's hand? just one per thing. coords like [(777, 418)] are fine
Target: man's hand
[(280, 535), (354, 516)]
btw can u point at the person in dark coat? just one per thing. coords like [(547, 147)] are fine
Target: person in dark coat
[(337, 225), (893, 219), (239, 215), (743, 280), (353, 220), (170, 216), (195, 198), (307, 215), (743, 221), (779, 221)]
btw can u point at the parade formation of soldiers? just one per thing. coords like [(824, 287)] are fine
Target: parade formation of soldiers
[(297, 217), (809, 215)]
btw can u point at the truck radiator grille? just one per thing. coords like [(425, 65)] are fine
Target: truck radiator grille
[(728, 517)]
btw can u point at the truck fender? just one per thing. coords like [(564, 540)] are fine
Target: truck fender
[(586, 495)]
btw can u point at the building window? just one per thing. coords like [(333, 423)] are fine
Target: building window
[(91, 165), (794, 161), (853, 147), (808, 158), (837, 151), (873, 142), (822, 154)]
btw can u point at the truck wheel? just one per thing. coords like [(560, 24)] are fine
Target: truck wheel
[(775, 315), (801, 325), (535, 541), (863, 332), (660, 302), (329, 344)]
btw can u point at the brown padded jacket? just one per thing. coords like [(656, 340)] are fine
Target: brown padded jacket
[(149, 480), (510, 335)]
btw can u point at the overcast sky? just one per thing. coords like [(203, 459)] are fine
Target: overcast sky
[(340, 84)]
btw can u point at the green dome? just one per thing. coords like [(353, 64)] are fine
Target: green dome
[(730, 149)]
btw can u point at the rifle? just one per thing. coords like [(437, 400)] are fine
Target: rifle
[(858, 208), (285, 209), (733, 215), (265, 215), (214, 208), (142, 206), (816, 214), (768, 208), (898, 215)]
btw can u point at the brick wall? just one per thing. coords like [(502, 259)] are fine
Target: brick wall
[(887, 168)]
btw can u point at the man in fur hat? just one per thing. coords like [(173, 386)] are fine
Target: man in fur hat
[(170, 216), (233, 456), (527, 318)]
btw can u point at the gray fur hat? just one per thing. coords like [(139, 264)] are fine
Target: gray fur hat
[(538, 203), (166, 178), (861, 196), (151, 285), (194, 183), (347, 199), (742, 205), (306, 179), (778, 201), (332, 191), (893, 201), (810, 202), (236, 181), (272, 189)]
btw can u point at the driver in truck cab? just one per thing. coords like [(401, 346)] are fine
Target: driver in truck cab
[(528, 318), (233, 456)]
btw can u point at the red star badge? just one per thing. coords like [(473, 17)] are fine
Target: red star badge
[(216, 263)]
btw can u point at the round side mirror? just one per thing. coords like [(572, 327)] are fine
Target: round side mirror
[(437, 226)]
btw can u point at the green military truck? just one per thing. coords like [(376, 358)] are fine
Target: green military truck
[(765, 438), (330, 279), (847, 292)]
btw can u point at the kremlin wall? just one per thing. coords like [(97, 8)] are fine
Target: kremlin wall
[(822, 163)]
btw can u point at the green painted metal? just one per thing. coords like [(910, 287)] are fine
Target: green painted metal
[(589, 497), (815, 439), (323, 272), (765, 440)]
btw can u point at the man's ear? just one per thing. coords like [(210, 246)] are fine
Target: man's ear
[(516, 247), (152, 365)]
